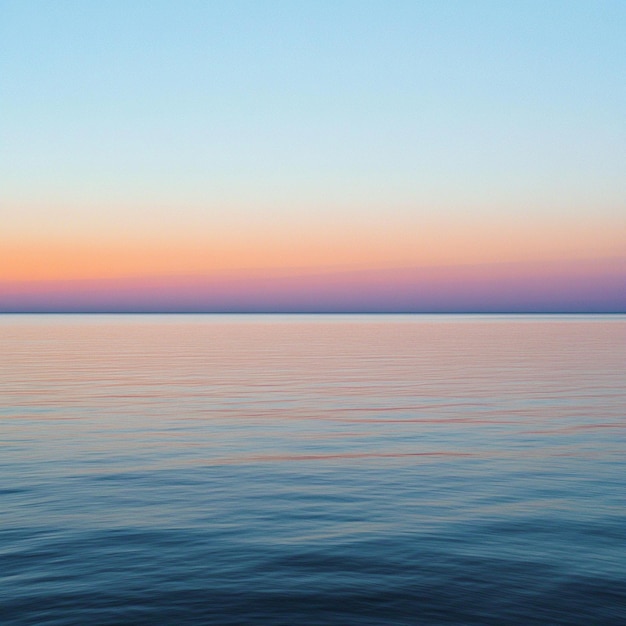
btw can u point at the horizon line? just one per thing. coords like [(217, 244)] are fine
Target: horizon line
[(280, 312)]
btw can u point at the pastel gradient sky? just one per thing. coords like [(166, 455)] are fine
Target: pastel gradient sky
[(314, 155)]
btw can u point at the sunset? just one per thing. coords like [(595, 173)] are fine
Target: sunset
[(312, 312), (151, 141)]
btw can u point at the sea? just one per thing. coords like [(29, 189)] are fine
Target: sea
[(312, 469)]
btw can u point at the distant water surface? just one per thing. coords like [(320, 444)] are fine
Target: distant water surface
[(215, 469)]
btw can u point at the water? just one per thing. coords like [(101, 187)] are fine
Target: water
[(312, 470)]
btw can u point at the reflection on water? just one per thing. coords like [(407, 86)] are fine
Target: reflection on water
[(312, 469)]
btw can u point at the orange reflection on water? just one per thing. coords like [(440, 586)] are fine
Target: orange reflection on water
[(245, 389)]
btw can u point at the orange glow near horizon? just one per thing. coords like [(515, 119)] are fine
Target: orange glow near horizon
[(370, 246)]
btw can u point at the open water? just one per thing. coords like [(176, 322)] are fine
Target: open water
[(312, 470)]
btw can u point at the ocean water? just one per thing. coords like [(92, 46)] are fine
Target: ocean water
[(387, 469)]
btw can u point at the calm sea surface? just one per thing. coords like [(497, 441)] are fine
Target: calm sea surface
[(305, 470)]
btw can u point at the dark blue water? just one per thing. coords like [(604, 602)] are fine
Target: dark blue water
[(312, 470)]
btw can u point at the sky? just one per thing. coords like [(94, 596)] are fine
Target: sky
[(314, 155)]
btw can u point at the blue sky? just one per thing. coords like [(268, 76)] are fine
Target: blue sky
[(271, 119)]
